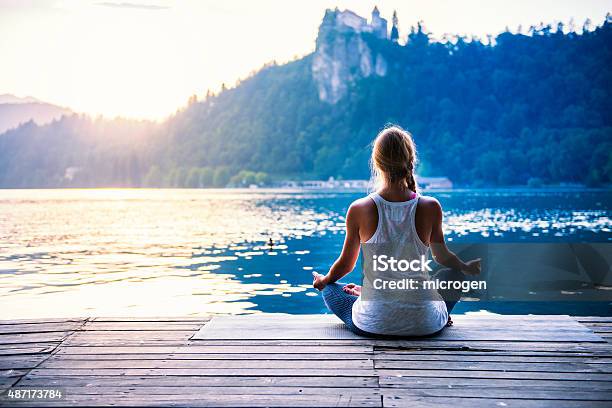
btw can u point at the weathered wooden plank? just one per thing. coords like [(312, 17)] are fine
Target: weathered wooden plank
[(130, 338), (491, 346), (178, 389), (509, 317), (516, 393), (475, 402), (7, 382), (424, 344), (186, 319), (142, 326), (124, 342), (39, 327), (232, 349), (20, 362), (458, 334), (602, 331), (495, 366), (463, 321), (43, 345), (210, 356), (168, 337), (42, 321), (293, 372), (208, 364), (515, 375), (10, 373), (32, 338), (220, 400), (468, 383), (271, 326), (13, 351), (511, 348), (592, 325), (132, 334), (495, 353), (464, 357), (395, 344), (522, 327), (484, 357), (201, 381), (601, 319)]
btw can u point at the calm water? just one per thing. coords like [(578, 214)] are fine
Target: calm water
[(189, 252)]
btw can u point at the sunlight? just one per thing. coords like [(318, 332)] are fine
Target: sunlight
[(144, 59)]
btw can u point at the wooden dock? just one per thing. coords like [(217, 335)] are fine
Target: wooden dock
[(155, 362)]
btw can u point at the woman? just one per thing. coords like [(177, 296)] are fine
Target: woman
[(394, 215)]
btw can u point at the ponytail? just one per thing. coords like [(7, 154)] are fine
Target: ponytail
[(411, 182), (394, 157)]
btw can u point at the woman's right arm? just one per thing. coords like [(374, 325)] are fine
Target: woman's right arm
[(441, 254), (350, 250)]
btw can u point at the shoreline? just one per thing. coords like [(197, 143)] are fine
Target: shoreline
[(331, 190)]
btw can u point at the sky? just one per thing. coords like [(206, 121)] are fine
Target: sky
[(143, 59)]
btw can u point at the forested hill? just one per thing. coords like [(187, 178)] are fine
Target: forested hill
[(528, 109)]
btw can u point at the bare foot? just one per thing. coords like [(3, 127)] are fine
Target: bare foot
[(352, 289), (449, 322)]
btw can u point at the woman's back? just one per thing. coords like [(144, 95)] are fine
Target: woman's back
[(395, 235)]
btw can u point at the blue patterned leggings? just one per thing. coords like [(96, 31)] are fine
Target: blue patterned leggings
[(340, 303)]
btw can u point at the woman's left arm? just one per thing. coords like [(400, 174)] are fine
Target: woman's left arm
[(350, 252)]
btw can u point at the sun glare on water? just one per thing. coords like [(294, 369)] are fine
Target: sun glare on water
[(168, 252)]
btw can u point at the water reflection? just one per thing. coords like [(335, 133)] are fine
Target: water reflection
[(190, 252)]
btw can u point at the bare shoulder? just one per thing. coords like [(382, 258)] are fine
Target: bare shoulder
[(361, 205), (429, 206), (362, 208)]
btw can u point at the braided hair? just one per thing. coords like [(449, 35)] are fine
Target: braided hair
[(394, 157)]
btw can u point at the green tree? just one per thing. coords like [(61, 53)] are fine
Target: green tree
[(178, 177), (221, 177), (206, 177), (244, 178), (154, 177), (193, 178), (262, 178)]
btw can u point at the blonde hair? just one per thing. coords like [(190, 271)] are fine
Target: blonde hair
[(394, 158)]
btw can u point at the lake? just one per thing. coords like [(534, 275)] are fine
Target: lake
[(167, 252)]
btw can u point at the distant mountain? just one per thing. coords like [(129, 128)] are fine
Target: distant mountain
[(8, 98), (15, 111), (521, 109)]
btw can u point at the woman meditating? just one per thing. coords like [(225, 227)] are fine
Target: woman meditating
[(397, 216)]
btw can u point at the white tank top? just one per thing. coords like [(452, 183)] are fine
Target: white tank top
[(396, 224)]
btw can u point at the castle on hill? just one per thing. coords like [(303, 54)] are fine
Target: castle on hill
[(343, 53), (348, 20)]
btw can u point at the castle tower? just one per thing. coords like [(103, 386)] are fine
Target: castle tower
[(375, 13), (378, 25), (394, 29)]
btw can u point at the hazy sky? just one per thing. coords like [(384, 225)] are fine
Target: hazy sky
[(144, 58)]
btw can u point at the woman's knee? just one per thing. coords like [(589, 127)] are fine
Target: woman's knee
[(330, 293), (331, 289)]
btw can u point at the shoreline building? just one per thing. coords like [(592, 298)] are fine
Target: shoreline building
[(426, 183)]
